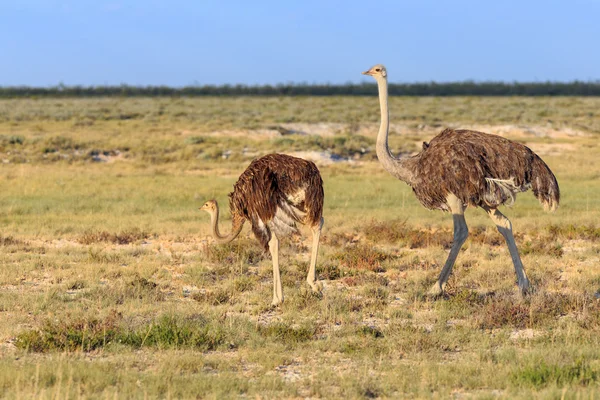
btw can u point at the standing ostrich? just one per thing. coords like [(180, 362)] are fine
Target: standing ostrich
[(274, 193), (461, 168)]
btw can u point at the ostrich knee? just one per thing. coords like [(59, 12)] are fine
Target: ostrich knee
[(503, 225), (461, 235)]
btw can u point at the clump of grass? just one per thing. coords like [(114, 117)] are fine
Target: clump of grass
[(421, 239), (535, 310), (171, 331), (542, 247), (416, 263), (571, 231), (136, 288), (390, 231), (370, 391), (104, 257), (548, 306), (77, 285), (59, 143), (305, 299), (338, 239), (61, 335), (376, 295), (418, 338), (542, 374), (93, 153), (353, 146), (141, 288), (10, 140), (370, 331), (465, 298), (288, 334), (503, 313), (362, 257), (124, 237), (10, 241), (342, 145), (243, 283), (167, 331), (329, 272), (351, 281), (359, 278), (13, 245), (214, 297), (208, 276), (195, 140), (486, 236), (397, 231), (241, 251)]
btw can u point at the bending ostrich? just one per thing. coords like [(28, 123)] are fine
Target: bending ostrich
[(461, 168), (274, 193)]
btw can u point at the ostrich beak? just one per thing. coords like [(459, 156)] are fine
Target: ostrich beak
[(367, 72)]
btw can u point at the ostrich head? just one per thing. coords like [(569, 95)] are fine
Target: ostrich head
[(210, 206), (377, 71)]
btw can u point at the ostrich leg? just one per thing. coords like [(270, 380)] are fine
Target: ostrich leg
[(461, 232), (277, 287), (311, 278), (505, 228)]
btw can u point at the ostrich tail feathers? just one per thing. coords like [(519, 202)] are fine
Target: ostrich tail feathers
[(544, 185)]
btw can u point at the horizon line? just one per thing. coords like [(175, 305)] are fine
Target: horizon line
[(305, 84)]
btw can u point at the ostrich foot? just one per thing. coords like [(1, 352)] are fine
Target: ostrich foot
[(316, 287), (309, 292), (276, 302), (436, 290), (524, 287)]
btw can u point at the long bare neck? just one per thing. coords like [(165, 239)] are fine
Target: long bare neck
[(398, 167), (235, 230)]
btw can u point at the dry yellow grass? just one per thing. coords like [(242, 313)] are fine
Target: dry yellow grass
[(109, 285)]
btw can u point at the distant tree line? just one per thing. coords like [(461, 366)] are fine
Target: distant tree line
[(467, 88)]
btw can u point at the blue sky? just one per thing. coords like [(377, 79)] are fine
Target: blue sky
[(187, 42)]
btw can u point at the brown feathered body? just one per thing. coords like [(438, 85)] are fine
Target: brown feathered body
[(274, 193), (481, 170)]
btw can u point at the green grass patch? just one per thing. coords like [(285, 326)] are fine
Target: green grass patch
[(541, 374)]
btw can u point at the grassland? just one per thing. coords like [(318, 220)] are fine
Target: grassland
[(110, 287)]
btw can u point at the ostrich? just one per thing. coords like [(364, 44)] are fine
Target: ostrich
[(274, 193), (461, 168)]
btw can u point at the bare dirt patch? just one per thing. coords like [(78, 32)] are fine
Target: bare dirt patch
[(524, 334)]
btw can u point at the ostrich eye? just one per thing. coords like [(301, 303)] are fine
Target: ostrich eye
[(377, 69)]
